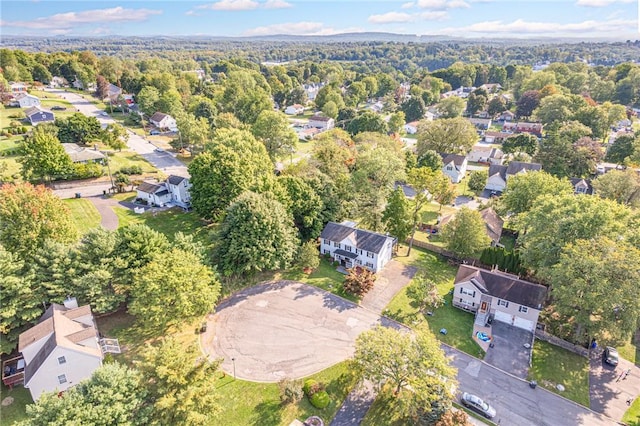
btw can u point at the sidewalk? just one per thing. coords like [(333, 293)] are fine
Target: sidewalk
[(355, 407)]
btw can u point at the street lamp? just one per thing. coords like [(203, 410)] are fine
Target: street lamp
[(234, 367)]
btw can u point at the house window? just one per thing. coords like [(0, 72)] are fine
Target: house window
[(370, 255), (523, 309), (62, 360), (503, 303), (358, 262), (336, 245), (449, 168), (327, 242), (468, 292), (62, 379), (347, 248), (325, 251), (580, 189), (358, 251), (369, 265)]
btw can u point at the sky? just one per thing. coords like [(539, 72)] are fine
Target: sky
[(580, 19)]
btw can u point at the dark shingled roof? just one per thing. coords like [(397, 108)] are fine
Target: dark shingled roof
[(518, 166), (365, 240), (158, 116), (458, 160), (175, 180), (497, 169), (345, 253), (319, 118), (587, 183), (493, 224), (504, 286), (149, 188)]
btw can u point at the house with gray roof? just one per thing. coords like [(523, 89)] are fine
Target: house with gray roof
[(499, 174), (62, 349), (174, 191), (581, 186), (37, 115), (83, 155), (356, 247), (455, 166), (496, 295)]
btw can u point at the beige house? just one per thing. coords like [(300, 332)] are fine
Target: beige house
[(455, 166), (495, 295), (321, 122), (61, 350)]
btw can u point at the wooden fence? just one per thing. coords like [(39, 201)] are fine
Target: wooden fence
[(543, 335)]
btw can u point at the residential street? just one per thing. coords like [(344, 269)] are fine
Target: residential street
[(513, 399), (161, 160)]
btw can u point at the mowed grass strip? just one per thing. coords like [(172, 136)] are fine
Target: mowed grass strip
[(553, 365), (84, 214)]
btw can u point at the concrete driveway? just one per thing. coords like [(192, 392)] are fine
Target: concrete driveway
[(508, 352), (285, 329), (393, 277), (610, 388)]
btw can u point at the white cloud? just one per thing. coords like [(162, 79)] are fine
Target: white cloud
[(408, 5), (522, 28), (442, 4), (231, 5), (390, 18), (600, 3), (276, 4), (69, 20), (298, 28), (438, 15)]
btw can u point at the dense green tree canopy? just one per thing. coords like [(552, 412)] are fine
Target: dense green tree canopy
[(397, 215), (257, 234), (524, 189), (465, 235), (272, 129), (43, 157), (622, 186), (446, 135), (231, 164)]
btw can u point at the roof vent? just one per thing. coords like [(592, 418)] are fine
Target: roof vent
[(70, 303)]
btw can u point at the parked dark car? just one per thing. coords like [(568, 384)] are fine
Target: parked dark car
[(478, 405), (57, 108), (610, 356)]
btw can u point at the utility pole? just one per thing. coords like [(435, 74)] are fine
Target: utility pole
[(106, 156)]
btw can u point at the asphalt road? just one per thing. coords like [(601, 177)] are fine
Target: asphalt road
[(164, 161), (515, 402)]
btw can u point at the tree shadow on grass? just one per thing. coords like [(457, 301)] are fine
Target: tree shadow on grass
[(267, 413)]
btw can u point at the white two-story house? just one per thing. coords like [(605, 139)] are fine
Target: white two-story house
[(455, 167), (499, 174), (175, 190), (498, 295), (356, 247), (61, 350), (163, 122)]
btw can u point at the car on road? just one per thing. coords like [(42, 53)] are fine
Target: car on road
[(159, 150), (104, 113), (476, 404), (57, 108), (610, 356)]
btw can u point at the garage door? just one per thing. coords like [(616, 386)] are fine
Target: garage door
[(523, 323), (503, 316)]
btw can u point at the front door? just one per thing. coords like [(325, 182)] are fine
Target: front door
[(483, 307)]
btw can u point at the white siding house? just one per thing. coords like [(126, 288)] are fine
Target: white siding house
[(294, 109), (455, 166), (164, 121), (61, 350), (356, 247), (498, 295), (321, 122), (498, 175), (175, 190), (26, 100)]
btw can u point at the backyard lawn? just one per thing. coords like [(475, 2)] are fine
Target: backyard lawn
[(459, 324), (553, 365), (84, 214), (14, 412), (120, 159)]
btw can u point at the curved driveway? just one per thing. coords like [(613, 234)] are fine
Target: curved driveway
[(285, 329)]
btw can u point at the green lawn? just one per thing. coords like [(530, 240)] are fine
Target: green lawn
[(15, 412), (630, 352), (431, 211), (248, 403), (121, 159), (459, 324), (553, 365), (13, 169), (632, 416), (84, 214), (325, 277)]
